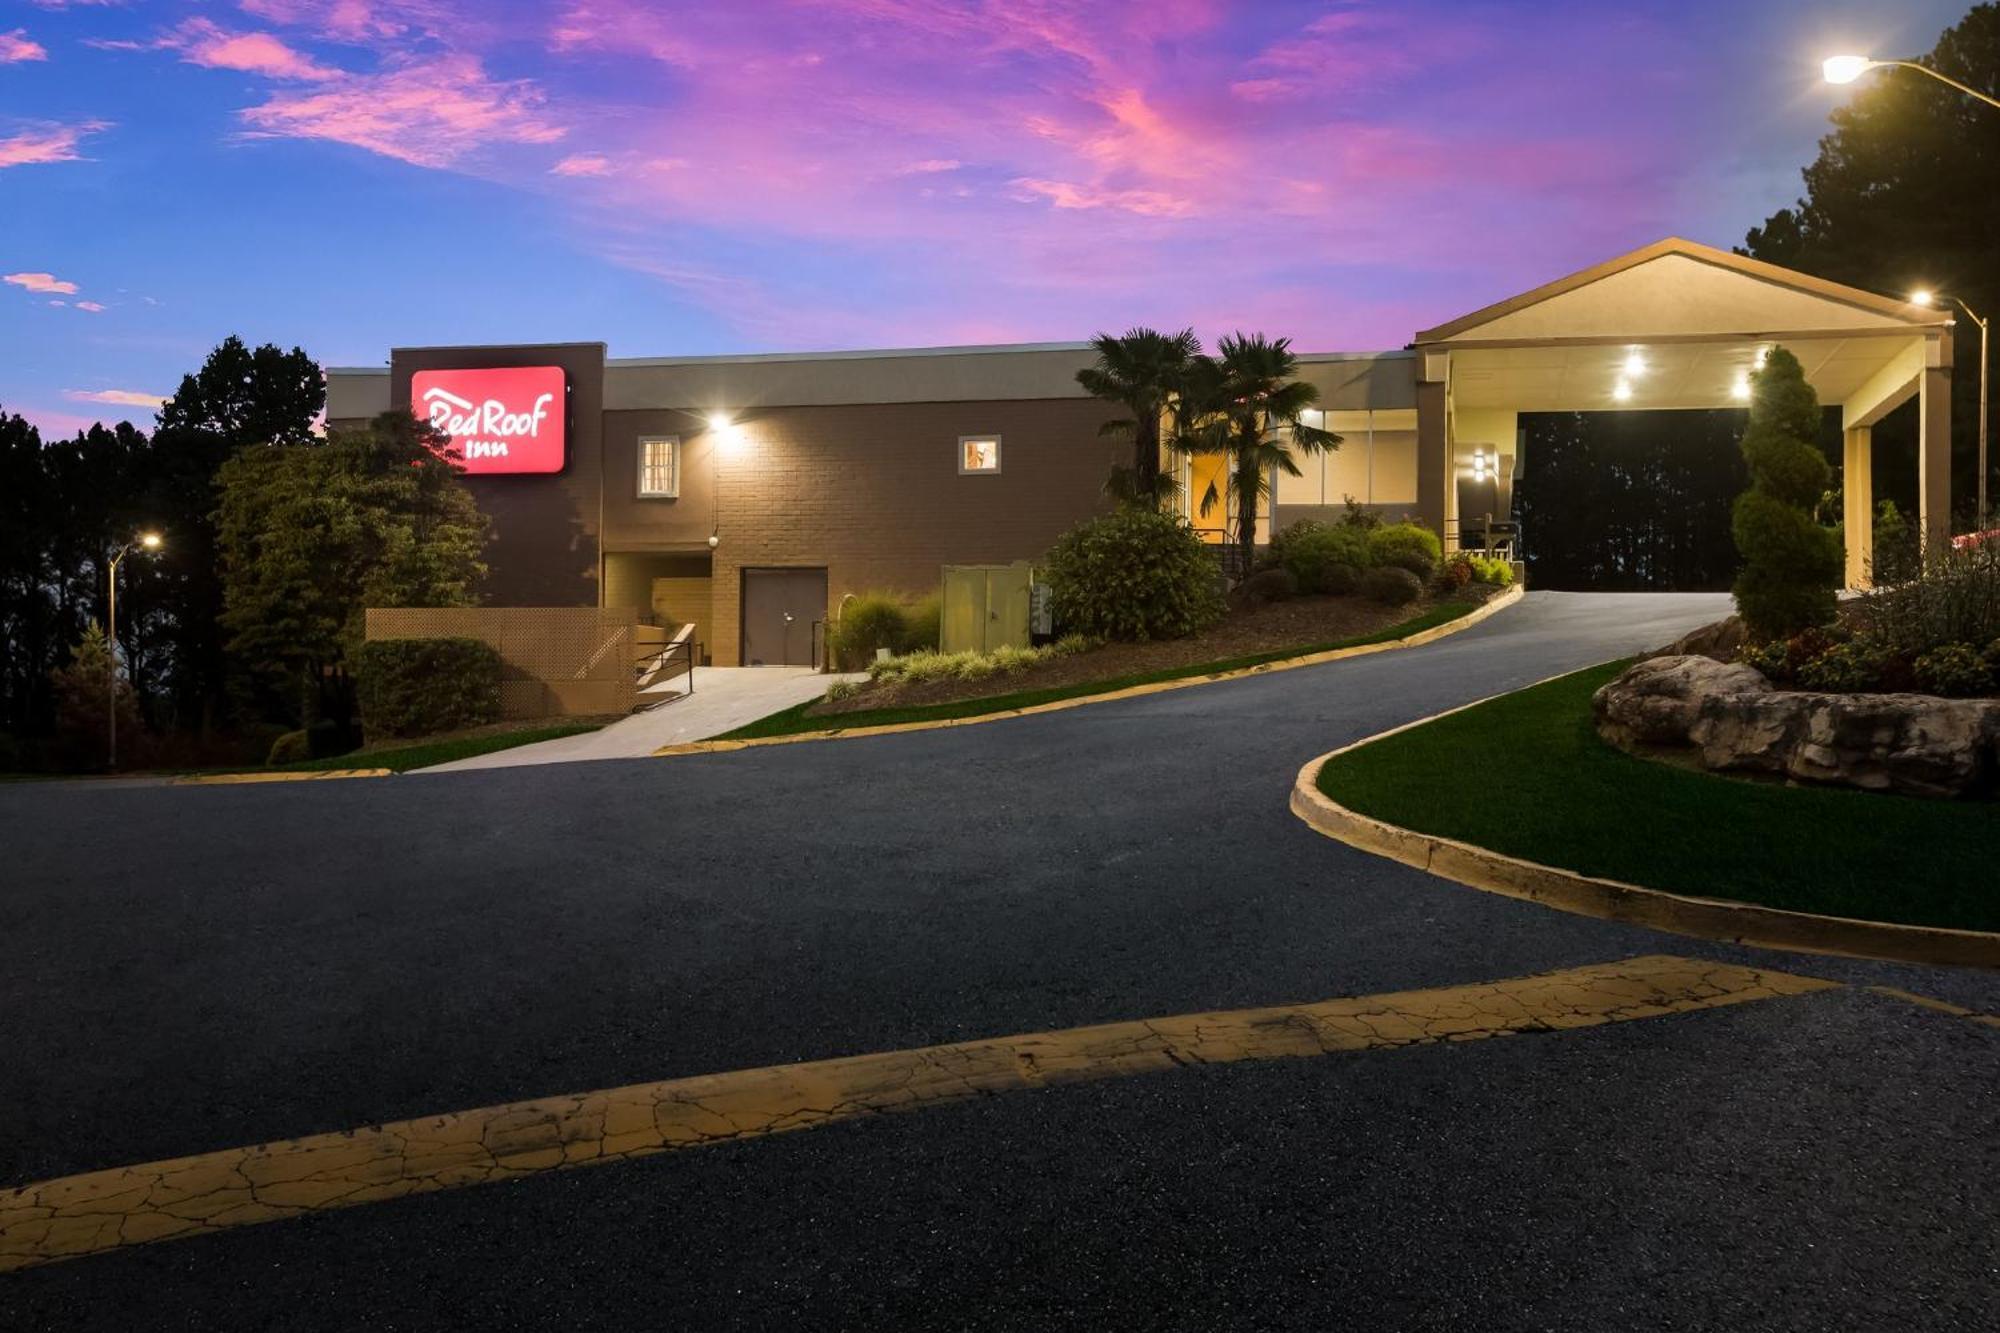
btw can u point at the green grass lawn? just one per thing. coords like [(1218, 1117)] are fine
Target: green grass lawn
[(1527, 775), (793, 721), (423, 754)]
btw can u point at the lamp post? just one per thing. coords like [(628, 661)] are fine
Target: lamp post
[(1925, 298), (145, 541), (1846, 69)]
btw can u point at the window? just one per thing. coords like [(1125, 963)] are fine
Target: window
[(978, 453), (660, 467)]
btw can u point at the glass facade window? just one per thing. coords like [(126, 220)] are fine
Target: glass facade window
[(978, 453), (660, 467)]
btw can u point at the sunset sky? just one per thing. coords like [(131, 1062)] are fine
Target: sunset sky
[(676, 178)]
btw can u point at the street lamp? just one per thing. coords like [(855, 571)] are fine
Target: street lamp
[(1846, 69), (1926, 298), (145, 541)]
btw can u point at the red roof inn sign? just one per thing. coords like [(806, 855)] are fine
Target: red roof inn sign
[(505, 420)]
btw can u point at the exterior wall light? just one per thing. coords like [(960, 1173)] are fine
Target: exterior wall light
[(718, 421)]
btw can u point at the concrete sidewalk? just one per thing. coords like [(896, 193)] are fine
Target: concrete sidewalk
[(724, 698)]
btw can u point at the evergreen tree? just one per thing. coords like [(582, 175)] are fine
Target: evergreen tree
[(1791, 564)]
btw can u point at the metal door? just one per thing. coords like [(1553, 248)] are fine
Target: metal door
[(985, 606), (780, 608)]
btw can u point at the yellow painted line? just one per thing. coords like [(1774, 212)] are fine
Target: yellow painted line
[(1940, 1006), (1496, 604), (210, 1192), (321, 775)]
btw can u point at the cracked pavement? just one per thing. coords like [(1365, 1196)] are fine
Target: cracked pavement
[(192, 970)]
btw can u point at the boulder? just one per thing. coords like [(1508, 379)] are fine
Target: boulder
[(1750, 732), (1915, 744), (1658, 701), (1722, 641)]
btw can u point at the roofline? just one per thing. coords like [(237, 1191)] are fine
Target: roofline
[(860, 354), (1915, 315)]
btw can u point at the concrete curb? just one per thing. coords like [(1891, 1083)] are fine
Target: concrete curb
[(1613, 900), (239, 779), (1497, 604)]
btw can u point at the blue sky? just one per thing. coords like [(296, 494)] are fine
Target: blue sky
[(348, 175)]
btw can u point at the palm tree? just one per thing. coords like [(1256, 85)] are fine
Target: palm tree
[(1141, 371), (1246, 405)]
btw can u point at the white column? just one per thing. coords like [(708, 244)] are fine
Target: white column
[(1857, 494), (1934, 457)]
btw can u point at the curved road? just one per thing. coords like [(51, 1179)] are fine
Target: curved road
[(197, 968)]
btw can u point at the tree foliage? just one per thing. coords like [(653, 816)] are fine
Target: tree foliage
[(311, 535), (1899, 198), (1791, 564), (1247, 405), (1142, 371)]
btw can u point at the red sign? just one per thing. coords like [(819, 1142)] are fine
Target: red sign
[(505, 420)]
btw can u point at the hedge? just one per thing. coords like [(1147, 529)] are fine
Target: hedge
[(417, 687)]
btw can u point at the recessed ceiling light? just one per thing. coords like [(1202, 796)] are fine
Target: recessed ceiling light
[(1741, 389), (1621, 391), (1635, 363)]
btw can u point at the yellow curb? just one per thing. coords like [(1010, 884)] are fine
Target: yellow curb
[(1614, 900), (1940, 1006), (1494, 605), (324, 775), (107, 1210)]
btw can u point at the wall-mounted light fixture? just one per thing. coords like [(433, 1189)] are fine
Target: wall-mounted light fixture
[(1483, 464)]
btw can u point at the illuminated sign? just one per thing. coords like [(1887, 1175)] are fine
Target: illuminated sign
[(505, 420)]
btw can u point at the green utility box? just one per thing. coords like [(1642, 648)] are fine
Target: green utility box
[(985, 607)]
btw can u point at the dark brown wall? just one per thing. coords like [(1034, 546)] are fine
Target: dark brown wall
[(873, 493), (545, 549)]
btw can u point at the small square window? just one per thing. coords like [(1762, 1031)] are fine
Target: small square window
[(660, 467), (978, 453)]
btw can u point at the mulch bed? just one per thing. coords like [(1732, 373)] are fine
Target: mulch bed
[(1303, 623)]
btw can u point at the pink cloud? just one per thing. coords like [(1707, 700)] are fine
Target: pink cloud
[(92, 306), (16, 47), (40, 282), (433, 114), (582, 164), (115, 397), (56, 143), (201, 42)]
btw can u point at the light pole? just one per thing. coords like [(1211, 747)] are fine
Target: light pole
[(1926, 298), (1846, 69), (146, 541)]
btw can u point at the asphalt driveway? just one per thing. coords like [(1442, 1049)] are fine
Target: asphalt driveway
[(198, 968)]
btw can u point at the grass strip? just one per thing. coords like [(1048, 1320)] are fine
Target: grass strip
[(794, 720), (1527, 775)]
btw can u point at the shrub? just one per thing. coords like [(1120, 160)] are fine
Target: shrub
[(1844, 668), (1392, 585), (1359, 517), (1454, 573), (1340, 579), (870, 621), (1493, 570), (1769, 658), (1954, 669), (1791, 565), (289, 748), (1135, 574), (921, 621), (1309, 555), (1266, 585), (1410, 546), (1281, 541), (414, 687), (1955, 599), (842, 689)]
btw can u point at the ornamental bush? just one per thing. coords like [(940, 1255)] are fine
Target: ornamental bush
[(1845, 668), (1311, 554), (1492, 570), (1791, 565), (1392, 585), (1135, 574), (1406, 545), (1954, 669), (870, 621), (415, 687)]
